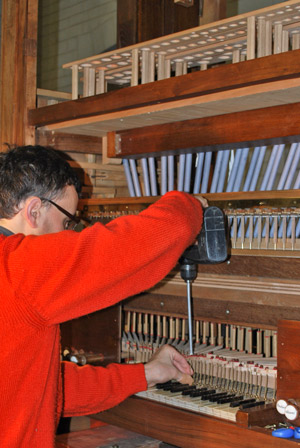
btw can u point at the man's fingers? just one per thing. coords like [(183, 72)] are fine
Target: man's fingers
[(186, 379), (181, 364), (203, 201)]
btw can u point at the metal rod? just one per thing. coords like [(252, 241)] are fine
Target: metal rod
[(190, 322)]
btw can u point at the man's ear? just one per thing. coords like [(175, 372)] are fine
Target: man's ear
[(32, 211)]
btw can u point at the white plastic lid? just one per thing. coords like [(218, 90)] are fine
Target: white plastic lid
[(281, 406), (291, 412)]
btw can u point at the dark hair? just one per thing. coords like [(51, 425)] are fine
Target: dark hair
[(32, 171)]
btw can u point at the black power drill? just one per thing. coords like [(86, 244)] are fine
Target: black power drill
[(211, 248)]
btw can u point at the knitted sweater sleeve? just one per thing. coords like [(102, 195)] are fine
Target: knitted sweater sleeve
[(89, 389), (61, 276)]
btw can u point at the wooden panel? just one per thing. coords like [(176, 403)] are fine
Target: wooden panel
[(186, 429), (18, 70), (98, 333), (288, 384), (126, 22), (69, 142), (178, 18), (213, 310), (236, 130), (268, 69), (150, 20)]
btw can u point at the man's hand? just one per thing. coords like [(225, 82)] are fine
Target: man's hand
[(203, 201), (168, 364)]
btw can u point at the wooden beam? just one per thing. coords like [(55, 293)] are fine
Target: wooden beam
[(255, 127), (223, 78), (69, 142), (18, 70)]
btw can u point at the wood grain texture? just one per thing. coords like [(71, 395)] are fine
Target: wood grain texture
[(69, 142), (18, 70), (288, 384)]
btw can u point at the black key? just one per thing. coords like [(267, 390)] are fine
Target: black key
[(199, 392), (208, 395), (229, 399), (189, 390), (179, 388), (216, 397), (251, 405), (238, 403), (171, 386), (162, 385)]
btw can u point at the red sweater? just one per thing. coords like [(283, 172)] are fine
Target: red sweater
[(53, 278)]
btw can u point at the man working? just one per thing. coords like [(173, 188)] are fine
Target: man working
[(50, 274)]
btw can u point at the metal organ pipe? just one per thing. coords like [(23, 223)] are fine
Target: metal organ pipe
[(146, 176), (198, 174), (181, 170), (135, 177), (170, 173), (223, 171), (216, 174), (252, 166), (207, 163), (152, 170), (188, 172), (163, 180), (128, 177), (240, 173)]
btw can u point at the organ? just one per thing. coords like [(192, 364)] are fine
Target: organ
[(212, 111)]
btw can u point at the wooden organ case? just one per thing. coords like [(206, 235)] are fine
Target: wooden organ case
[(230, 132)]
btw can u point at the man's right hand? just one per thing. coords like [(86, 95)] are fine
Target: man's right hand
[(168, 364)]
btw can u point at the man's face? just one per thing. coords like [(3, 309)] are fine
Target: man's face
[(53, 220)]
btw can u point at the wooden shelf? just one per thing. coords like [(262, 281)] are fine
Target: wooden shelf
[(224, 105)]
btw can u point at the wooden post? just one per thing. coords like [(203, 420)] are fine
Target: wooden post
[(18, 71)]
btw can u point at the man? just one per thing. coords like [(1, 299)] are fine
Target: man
[(50, 274)]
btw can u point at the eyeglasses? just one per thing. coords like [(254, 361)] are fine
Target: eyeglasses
[(73, 219)]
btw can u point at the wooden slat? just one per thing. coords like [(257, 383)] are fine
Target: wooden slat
[(270, 125), (268, 69)]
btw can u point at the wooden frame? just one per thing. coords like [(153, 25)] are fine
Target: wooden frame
[(18, 70)]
